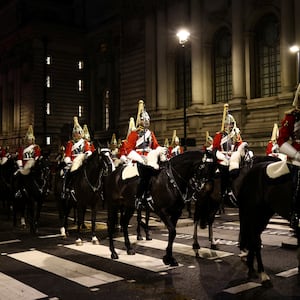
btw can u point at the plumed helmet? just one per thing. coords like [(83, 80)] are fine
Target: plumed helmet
[(113, 139), (142, 114), (86, 133), (175, 138), (208, 138), (275, 133), (131, 126), (166, 143), (29, 135), (77, 128), (230, 120)]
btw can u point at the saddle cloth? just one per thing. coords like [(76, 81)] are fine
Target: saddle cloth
[(277, 169), (130, 171)]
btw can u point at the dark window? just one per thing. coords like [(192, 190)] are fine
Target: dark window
[(183, 76), (267, 57), (222, 81)]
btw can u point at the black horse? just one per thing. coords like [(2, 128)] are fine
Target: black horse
[(34, 186), (260, 197), (86, 182), (7, 169), (208, 200), (168, 188)]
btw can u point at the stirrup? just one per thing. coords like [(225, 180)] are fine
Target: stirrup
[(18, 194)]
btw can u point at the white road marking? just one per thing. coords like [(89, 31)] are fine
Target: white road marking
[(12, 289), (242, 288), (288, 273), (78, 273), (9, 242), (181, 248), (138, 260)]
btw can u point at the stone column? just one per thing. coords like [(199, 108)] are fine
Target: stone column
[(238, 52), (162, 96), (196, 53), (287, 39)]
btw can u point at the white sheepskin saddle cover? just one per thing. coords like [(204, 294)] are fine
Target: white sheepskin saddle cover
[(29, 164), (130, 171), (277, 169), (77, 162)]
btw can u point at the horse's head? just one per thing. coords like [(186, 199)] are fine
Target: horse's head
[(107, 163)]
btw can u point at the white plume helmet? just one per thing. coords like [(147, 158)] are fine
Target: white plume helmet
[(29, 134), (275, 133), (113, 140), (77, 128), (175, 138), (86, 133), (166, 143), (142, 114), (131, 126), (208, 138)]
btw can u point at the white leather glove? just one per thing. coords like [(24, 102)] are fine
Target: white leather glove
[(123, 159), (133, 155), (67, 160), (88, 153), (290, 151)]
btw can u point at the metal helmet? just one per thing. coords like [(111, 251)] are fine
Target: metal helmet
[(77, 128), (29, 135), (86, 133), (142, 115)]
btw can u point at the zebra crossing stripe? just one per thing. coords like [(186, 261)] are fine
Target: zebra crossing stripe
[(288, 273), (242, 287), (12, 289), (182, 249), (138, 260), (75, 272)]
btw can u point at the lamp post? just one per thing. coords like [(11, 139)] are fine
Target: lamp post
[(296, 49), (183, 37)]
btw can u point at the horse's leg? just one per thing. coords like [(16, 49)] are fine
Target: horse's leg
[(111, 228), (265, 279), (170, 223), (80, 213), (146, 228), (196, 245), (213, 243), (250, 264), (95, 240), (139, 236), (125, 222)]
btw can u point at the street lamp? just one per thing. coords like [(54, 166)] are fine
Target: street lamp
[(183, 37), (295, 49)]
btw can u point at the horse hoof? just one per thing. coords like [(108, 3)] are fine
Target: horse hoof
[(148, 238), (130, 252), (139, 237), (95, 241), (170, 261), (79, 242), (196, 246), (114, 256)]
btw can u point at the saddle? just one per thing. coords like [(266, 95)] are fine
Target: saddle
[(135, 169), (277, 169)]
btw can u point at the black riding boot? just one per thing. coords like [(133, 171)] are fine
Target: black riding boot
[(143, 198)]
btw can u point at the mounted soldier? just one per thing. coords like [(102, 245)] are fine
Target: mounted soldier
[(77, 149), (26, 158), (140, 143), (227, 141), (289, 144), (175, 147)]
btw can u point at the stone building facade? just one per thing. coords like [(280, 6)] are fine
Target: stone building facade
[(96, 59)]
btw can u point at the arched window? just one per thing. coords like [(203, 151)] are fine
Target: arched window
[(183, 76), (222, 66), (267, 57)]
